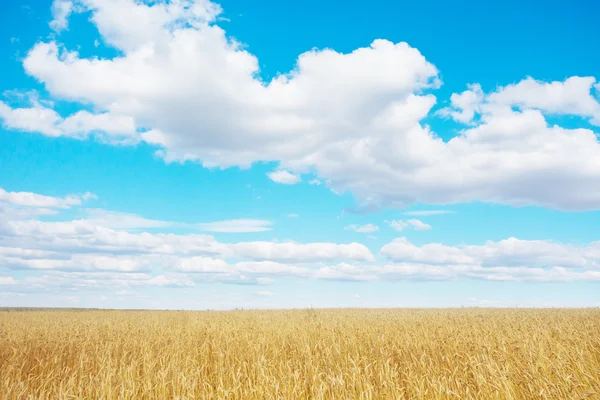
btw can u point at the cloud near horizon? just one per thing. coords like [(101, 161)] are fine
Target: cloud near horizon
[(81, 255)]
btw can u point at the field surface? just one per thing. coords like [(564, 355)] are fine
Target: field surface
[(297, 354)]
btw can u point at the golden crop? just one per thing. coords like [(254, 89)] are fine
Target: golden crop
[(297, 354)]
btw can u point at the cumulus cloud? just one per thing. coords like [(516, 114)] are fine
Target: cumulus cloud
[(570, 97), (361, 130), (368, 228), (465, 105), (284, 177)]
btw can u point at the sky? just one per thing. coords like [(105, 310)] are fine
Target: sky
[(189, 154)]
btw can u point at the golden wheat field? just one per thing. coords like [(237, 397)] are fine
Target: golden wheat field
[(301, 354)]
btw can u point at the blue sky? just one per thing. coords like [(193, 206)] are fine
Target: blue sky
[(259, 155)]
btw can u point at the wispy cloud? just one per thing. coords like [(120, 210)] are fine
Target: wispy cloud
[(284, 177), (236, 226), (368, 228), (400, 225)]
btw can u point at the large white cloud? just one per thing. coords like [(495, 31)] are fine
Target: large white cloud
[(355, 119)]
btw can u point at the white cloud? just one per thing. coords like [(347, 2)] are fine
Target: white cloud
[(284, 177), (426, 213), (38, 118), (315, 182), (203, 265), (77, 255), (106, 240), (400, 225), (79, 262), (419, 225), (360, 130), (28, 199), (293, 215), (465, 105), (60, 13), (81, 236), (510, 252), (368, 228), (300, 252), (402, 250), (571, 97), (236, 226)]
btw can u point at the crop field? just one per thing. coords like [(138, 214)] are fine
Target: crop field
[(298, 354)]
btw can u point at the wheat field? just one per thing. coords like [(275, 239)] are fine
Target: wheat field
[(301, 354)]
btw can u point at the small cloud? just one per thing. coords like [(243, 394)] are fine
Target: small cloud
[(237, 226), (400, 225), (419, 225), (397, 225), (293, 215), (264, 293), (96, 43), (103, 298), (368, 228), (425, 213), (284, 177), (89, 196), (315, 182), (61, 9)]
